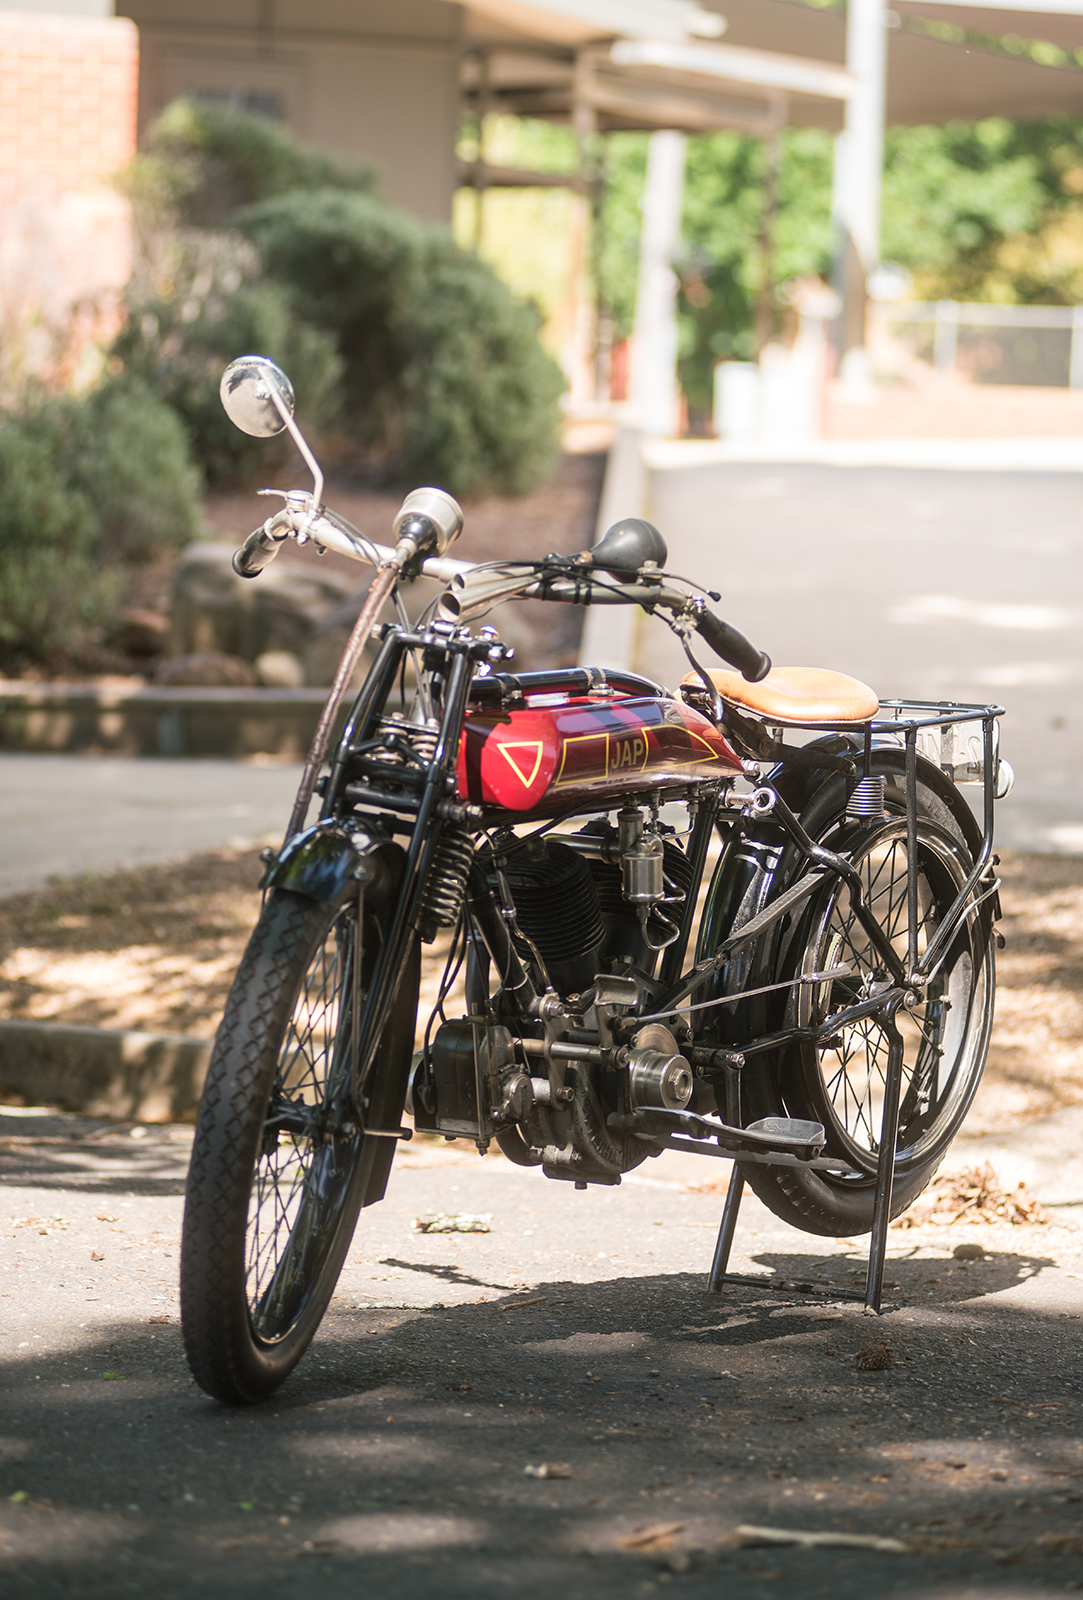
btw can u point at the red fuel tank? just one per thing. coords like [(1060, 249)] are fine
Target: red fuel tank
[(556, 751)]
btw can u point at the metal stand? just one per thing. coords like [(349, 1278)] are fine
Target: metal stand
[(885, 1167), (885, 1177), (726, 1231)]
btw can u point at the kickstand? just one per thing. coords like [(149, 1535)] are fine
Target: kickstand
[(732, 1071), (885, 1176), (726, 1231), (885, 1167)]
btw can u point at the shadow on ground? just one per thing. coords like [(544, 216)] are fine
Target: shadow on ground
[(395, 1458)]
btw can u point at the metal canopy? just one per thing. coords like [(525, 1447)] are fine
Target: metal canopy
[(780, 60), (659, 84), (1056, 23), (579, 22), (928, 80)]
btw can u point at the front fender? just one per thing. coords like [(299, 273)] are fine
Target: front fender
[(326, 862)]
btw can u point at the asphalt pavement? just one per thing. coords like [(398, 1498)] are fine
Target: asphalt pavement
[(930, 584), (556, 1405), (61, 816)]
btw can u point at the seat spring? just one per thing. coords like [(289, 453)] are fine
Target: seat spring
[(866, 798)]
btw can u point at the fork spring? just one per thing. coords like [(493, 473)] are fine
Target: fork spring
[(446, 887)]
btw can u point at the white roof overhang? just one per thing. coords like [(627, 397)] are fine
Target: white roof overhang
[(578, 22), (640, 67), (929, 79)]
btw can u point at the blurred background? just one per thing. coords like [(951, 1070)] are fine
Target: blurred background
[(799, 279)]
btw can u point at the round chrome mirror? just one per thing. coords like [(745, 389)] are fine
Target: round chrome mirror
[(248, 389)]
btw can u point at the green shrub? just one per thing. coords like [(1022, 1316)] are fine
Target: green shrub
[(89, 489), (442, 366), (180, 341), (479, 394), (54, 593), (126, 451), (437, 367), (202, 161)]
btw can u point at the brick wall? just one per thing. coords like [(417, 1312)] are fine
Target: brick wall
[(67, 124), (67, 101)]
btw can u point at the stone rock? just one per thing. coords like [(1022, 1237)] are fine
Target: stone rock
[(291, 607), (280, 669), (205, 669), (142, 633)]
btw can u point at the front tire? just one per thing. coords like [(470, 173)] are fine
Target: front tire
[(280, 1167), (946, 1034)]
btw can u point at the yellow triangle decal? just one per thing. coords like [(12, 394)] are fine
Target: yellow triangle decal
[(533, 747)]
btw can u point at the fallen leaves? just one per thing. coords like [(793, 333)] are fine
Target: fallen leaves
[(748, 1535), (454, 1222), (974, 1195), (656, 1537), (874, 1356)]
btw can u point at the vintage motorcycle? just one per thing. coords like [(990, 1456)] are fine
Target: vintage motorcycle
[(820, 1016)]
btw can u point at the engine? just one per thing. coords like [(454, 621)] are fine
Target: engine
[(587, 916)]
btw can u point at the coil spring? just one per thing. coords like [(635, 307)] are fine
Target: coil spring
[(422, 741), (446, 887), (866, 798)]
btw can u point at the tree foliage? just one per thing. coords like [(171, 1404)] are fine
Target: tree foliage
[(987, 211), (413, 347)]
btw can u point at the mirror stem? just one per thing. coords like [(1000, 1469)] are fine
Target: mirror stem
[(310, 460)]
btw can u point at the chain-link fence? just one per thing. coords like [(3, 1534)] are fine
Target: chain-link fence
[(1033, 345)]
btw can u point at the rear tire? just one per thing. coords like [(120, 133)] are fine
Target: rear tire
[(279, 1166), (946, 1035)]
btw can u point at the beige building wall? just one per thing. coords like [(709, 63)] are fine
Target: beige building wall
[(376, 79)]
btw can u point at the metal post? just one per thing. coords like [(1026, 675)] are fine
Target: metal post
[(1075, 357), (724, 1243), (654, 339), (772, 147), (860, 176), (885, 1167), (946, 339), (913, 911)]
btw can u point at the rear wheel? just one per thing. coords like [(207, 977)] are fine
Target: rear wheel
[(280, 1167), (945, 1032)]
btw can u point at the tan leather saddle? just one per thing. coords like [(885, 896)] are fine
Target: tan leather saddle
[(793, 696)]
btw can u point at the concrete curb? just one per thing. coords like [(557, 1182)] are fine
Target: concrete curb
[(73, 717), (105, 1072)]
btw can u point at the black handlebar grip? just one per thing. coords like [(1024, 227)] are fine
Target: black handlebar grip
[(733, 647), (256, 552)]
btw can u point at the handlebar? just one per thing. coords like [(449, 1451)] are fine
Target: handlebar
[(733, 647), (262, 545)]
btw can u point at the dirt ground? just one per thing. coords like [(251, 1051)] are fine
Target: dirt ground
[(156, 950)]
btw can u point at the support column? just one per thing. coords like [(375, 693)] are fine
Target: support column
[(653, 388), (859, 159)]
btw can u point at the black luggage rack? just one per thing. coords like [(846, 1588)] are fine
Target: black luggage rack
[(906, 725)]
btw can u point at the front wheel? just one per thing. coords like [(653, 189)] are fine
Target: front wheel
[(945, 1031), (280, 1167)]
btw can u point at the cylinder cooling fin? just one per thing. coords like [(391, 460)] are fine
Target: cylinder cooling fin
[(556, 905)]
